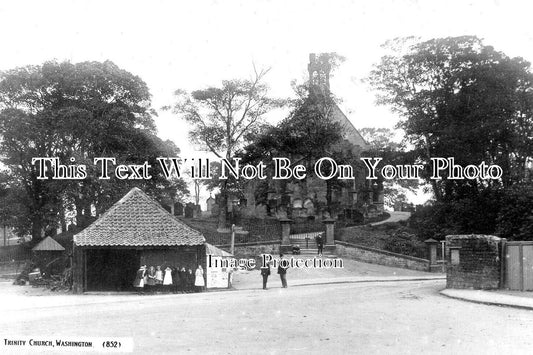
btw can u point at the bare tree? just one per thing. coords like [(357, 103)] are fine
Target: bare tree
[(222, 117)]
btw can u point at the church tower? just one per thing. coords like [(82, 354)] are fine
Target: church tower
[(319, 69)]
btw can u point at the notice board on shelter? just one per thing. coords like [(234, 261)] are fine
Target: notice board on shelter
[(217, 277)]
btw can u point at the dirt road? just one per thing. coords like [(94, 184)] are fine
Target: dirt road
[(395, 216), (402, 317)]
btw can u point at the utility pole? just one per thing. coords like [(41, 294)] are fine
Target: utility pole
[(232, 250), (443, 246)]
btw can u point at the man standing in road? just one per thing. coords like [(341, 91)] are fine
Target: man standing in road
[(265, 272), (282, 271)]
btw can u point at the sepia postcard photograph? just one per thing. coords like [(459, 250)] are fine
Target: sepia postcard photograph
[(266, 177)]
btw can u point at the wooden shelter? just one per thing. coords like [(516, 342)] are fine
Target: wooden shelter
[(50, 256), (134, 231)]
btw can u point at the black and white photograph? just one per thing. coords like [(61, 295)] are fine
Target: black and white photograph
[(266, 176)]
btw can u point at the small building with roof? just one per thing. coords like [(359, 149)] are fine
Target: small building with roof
[(50, 256), (48, 244), (135, 231)]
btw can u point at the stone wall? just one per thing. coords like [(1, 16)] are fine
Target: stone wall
[(254, 250), (342, 249), (473, 262), (381, 257)]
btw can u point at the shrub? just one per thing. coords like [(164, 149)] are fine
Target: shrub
[(405, 243), (507, 213), (515, 219)]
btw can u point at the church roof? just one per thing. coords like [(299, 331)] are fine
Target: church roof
[(352, 135), (48, 244), (319, 68), (138, 220)]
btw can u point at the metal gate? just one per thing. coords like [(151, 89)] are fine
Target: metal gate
[(519, 266)]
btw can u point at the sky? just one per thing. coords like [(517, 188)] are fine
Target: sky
[(195, 44)]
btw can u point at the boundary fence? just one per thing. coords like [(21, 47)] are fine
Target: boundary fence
[(14, 253)]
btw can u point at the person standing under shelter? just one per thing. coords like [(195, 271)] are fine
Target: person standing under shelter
[(199, 281), (190, 281), (282, 271), (158, 275), (167, 279), (175, 279), (151, 279), (265, 272), (139, 279), (183, 279)]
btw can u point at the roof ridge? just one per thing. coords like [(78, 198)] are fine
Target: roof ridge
[(351, 124), (127, 195), (138, 219)]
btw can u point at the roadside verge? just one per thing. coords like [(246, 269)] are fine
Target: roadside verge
[(492, 298)]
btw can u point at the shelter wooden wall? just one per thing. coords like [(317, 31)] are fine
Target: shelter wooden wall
[(183, 256)]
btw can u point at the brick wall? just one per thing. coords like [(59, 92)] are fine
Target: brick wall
[(478, 264), (381, 257)]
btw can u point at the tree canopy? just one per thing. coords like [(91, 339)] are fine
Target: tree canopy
[(75, 111), (382, 144), (460, 98)]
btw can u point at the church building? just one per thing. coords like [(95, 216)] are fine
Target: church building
[(354, 200)]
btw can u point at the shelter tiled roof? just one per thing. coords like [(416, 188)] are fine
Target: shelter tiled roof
[(137, 220), (48, 244)]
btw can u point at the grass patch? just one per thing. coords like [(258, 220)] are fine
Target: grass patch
[(394, 237)]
